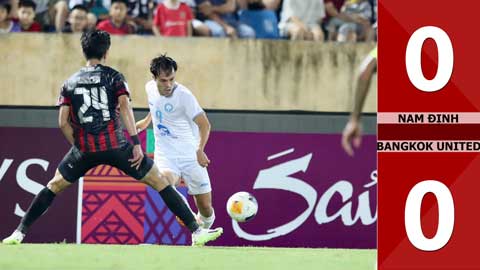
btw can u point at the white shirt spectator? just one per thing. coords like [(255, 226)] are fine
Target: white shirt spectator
[(310, 12)]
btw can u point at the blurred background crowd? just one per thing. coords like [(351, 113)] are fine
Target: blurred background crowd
[(315, 20)]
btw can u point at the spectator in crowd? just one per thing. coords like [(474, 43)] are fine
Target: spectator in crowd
[(250, 4), (300, 20), (26, 16), (91, 21), (220, 17), (98, 10), (51, 14), (7, 25), (77, 20), (332, 12), (13, 8), (139, 13), (354, 21), (117, 23), (372, 35), (199, 27), (259, 4), (255, 14), (173, 18), (272, 4)]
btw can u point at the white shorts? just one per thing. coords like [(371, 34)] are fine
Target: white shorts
[(195, 176)]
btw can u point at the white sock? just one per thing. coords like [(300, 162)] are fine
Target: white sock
[(207, 222)]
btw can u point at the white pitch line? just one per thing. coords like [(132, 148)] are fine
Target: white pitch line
[(79, 210)]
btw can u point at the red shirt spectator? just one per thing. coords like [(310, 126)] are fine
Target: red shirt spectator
[(108, 26), (35, 27), (117, 23), (26, 15), (332, 6), (173, 22)]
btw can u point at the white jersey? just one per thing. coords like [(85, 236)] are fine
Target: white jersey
[(176, 134)]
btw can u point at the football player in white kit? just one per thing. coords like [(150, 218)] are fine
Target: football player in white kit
[(181, 130)]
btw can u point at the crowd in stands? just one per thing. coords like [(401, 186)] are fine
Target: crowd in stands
[(315, 20)]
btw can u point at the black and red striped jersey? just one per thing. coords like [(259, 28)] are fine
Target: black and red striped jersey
[(92, 94)]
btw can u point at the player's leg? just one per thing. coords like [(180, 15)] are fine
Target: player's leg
[(198, 182), (172, 198), (179, 207), (174, 180), (39, 205), (317, 33), (150, 175), (72, 167), (206, 213), (296, 31), (170, 169)]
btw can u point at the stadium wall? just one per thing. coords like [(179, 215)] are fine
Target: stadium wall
[(311, 194), (223, 73)]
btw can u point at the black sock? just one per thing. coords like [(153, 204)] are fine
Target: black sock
[(39, 205), (178, 207)]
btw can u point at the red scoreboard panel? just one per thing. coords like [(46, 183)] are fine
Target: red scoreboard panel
[(428, 135)]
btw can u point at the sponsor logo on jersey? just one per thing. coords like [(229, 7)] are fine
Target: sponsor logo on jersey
[(168, 107)]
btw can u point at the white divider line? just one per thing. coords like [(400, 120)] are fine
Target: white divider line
[(441, 146), (428, 118)]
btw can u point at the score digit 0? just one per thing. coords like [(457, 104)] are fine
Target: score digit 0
[(446, 209), (413, 58), (446, 215)]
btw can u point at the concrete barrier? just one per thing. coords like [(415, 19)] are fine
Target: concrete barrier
[(223, 73)]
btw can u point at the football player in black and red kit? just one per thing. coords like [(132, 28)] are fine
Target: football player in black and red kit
[(92, 101)]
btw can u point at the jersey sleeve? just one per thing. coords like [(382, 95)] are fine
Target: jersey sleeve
[(64, 99), (119, 85), (157, 19), (192, 108), (188, 11)]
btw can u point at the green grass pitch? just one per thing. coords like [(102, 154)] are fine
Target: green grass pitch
[(143, 257)]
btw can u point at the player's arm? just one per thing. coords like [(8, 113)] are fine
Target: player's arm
[(143, 124), (207, 9), (156, 31), (64, 123), (204, 129), (228, 7), (352, 131), (272, 4), (363, 84), (189, 29), (157, 21), (128, 119), (332, 11)]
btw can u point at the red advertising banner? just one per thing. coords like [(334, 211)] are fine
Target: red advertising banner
[(428, 140)]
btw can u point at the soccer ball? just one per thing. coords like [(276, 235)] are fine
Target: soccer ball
[(242, 206)]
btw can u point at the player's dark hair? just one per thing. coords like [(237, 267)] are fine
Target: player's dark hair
[(163, 63), (6, 6), (79, 7), (119, 1), (27, 4), (95, 44)]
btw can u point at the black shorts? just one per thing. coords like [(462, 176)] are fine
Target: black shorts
[(76, 164)]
